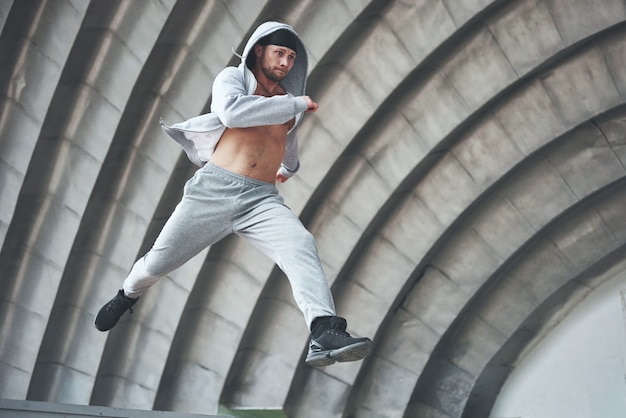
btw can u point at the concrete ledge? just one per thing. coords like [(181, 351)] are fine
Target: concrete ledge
[(10, 408)]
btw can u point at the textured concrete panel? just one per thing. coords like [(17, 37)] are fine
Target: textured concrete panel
[(583, 87), (435, 109), (421, 26), (411, 227), (530, 118), (436, 290), (501, 226), (395, 140), (487, 153), (333, 228), (467, 261), (515, 27), (577, 19), (542, 204), (479, 70), (376, 276), (470, 357), (447, 189), (463, 178), (365, 186), (577, 159)]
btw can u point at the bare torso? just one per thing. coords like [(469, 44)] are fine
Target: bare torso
[(254, 152)]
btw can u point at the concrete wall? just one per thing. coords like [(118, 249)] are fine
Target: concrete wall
[(464, 179)]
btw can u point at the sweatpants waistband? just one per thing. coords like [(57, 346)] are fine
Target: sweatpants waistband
[(249, 181)]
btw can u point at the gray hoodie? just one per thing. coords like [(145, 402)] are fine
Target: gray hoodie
[(234, 105)]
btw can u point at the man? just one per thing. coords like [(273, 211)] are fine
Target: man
[(243, 146)]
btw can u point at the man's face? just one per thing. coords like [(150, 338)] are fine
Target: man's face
[(276, 61)]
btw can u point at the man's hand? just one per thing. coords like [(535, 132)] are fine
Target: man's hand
[(312, 106), (280, 178)]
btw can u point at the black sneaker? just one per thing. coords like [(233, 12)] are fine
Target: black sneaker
[(114, 309), (330, 343)]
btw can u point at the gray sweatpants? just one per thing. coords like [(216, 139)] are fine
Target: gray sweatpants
[(217, 202)]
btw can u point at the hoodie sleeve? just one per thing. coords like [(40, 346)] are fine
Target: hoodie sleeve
[(290, 163), (238, 109)]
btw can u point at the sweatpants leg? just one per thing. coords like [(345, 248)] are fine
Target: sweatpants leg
[(274, 229), (216, 203), (201, 218)]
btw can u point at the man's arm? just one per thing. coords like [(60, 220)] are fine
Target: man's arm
[(290, 163), (238, 109)]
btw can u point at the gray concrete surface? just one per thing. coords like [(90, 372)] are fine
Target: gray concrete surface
[(465, 166), (10, 408)]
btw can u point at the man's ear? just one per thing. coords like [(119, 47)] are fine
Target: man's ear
[(258, 50)]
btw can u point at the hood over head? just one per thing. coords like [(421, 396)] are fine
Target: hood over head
[(281, 37), (268, 32)]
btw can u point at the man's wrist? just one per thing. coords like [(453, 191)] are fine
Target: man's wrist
[(301, 104), (286, 172), (290, 170)]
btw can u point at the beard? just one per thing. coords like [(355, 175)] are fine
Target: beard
[(271, 73)]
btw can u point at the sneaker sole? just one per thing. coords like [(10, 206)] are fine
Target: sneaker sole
[(352, 352), (319, 359)]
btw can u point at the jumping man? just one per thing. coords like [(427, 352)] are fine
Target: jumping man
[(243, 146)]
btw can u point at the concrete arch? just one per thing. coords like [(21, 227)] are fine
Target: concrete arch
[(460, 148)]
